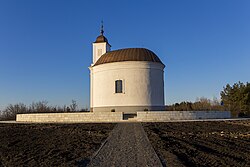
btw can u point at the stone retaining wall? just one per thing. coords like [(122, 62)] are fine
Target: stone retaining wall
[(181, 115), (70, 117), (142, 116)]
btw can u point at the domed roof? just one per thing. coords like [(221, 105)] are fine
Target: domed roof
[(129, 54), (101, 38)]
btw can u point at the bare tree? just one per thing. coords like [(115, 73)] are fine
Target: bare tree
[(73, 105)]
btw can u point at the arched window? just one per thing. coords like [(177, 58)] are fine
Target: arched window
[(99, 52), (118, 86)]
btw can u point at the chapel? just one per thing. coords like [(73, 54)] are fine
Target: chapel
[(125, 80)]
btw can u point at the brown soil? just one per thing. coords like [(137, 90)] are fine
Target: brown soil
[(50, 144), (177, 144), (201, 143)]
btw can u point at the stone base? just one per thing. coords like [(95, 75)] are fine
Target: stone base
[(70, 117), (140, 116), (127, 109), (159, 116)]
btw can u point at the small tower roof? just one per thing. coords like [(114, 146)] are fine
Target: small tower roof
[(101, 38)]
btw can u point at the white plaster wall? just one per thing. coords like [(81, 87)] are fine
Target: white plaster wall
[(143, 84), (105, 48)]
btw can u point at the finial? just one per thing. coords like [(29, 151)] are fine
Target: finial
[(102, 31)]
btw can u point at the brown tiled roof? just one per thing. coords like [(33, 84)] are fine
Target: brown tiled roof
[(101, 38), (130, 54)]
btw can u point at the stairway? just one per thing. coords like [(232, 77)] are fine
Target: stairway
[(130, 117)]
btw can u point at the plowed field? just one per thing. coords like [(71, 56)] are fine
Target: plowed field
[(201, 143), (224, 143), (50, 144)]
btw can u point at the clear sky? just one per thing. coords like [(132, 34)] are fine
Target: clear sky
[(46, 45)]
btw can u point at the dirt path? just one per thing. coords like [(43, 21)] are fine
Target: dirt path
[(127, 145)]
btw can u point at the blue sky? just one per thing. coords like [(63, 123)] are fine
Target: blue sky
[(46, 45)]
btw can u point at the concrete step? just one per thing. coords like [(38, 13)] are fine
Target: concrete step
[(132, 118)]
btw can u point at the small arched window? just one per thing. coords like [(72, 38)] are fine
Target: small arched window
[(99, 52), (118, 86)]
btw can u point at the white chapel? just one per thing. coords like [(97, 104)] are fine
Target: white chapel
[(125, 80), (125, 85)]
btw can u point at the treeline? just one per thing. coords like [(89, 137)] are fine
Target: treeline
[(236, 98), (201, 104), (9, 113)]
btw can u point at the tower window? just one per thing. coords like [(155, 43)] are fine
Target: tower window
[(99, 52), (118, 86)]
